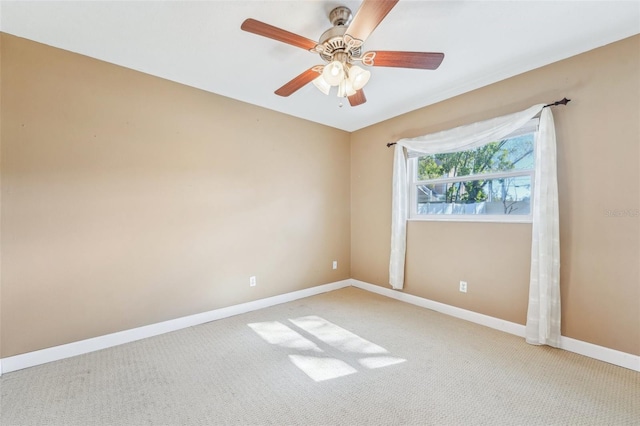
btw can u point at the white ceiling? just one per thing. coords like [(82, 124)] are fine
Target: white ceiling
[(200, 44)]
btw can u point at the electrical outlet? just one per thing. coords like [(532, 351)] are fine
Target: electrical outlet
[(252, 281), (335, 264), (463, 286)]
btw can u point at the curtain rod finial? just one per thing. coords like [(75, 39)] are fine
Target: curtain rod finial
[(564, 101)]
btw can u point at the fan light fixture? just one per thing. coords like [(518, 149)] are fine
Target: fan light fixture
[(322, 84), (333, 73), (348, 78), (359, 77)]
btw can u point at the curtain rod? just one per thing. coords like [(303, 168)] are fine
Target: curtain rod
[(564, 101)]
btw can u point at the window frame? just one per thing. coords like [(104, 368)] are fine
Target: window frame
[(412, 170)]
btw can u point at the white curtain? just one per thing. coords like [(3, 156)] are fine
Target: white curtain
[(543, 316), (544, 287)]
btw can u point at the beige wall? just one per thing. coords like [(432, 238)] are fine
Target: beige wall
[(598, 159), (129, 200)]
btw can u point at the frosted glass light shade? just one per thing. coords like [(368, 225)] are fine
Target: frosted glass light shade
[(333, 73), (358, 77), (349, 88), (345, 89), (322, 84)]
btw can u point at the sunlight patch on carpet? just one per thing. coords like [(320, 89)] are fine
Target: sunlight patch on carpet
[(279, 334), (320, 368), (336, 336), (380, 361)]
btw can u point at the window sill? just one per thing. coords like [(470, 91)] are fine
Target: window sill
[(474, 218)]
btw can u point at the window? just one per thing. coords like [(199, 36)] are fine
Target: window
[(491, 183)]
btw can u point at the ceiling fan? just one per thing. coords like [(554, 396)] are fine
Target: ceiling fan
[(341, 48)]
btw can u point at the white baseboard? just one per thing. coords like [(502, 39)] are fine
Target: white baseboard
[(55, 353), (498, 324), (43, 356), (612, 356), (600, 353)]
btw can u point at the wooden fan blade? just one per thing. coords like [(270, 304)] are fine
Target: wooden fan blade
[(269, 31), (421, 60), (370, 14), (298, 82), (357, 99)]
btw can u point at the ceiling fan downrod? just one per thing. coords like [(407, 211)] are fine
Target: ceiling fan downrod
[(340, 16)]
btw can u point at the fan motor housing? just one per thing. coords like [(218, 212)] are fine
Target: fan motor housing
[(332, 39)]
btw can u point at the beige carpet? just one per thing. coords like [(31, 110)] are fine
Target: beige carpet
[(349, 357)]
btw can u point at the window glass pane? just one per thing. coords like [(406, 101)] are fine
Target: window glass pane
[(476, 197), (508, 154)]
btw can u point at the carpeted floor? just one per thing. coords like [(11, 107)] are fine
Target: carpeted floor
[(348, 357)]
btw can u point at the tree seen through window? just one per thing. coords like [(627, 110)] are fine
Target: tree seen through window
[(437, 183)]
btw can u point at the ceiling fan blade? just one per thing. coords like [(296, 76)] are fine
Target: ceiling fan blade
[(358, 98), (386, 58), (269, 31), (370, 14), (298, 82)]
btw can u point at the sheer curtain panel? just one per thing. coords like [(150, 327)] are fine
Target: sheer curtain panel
[(543, 316), (543, 319)]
